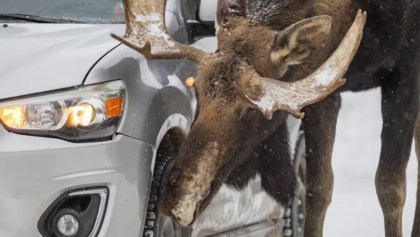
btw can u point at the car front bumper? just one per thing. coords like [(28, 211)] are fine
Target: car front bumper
[(35, 171)]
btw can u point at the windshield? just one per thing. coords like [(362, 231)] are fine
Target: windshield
[(86, 11)]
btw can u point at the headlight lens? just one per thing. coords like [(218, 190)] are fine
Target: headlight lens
[(89, 112)]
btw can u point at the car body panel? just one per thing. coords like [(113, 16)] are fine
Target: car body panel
[(123, 165), (41, 57), (154, 90), (35, 52)]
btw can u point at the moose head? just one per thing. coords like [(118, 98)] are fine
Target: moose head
[(239, 89)]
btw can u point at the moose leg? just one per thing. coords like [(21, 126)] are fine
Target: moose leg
[(416, 225), (400, 106), (319, 126)]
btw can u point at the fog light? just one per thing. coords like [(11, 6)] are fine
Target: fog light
[(76, 213), (68, 225)]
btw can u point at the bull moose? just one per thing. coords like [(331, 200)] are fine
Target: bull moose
[(277, 57)]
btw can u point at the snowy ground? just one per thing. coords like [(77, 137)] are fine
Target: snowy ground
[(355, 210)]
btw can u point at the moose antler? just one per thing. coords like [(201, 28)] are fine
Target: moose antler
[(293, 96), (146, 32)]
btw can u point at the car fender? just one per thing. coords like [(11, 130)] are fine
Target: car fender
[(156, 98)]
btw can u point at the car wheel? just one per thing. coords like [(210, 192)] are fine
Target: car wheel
[(158, 225), (294, 217)]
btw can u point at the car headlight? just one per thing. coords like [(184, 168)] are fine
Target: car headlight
[(90, 112)]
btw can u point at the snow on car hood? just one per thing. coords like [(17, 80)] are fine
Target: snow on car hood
[(43, 57)]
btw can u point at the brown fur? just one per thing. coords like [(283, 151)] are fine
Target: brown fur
[(247, 37)]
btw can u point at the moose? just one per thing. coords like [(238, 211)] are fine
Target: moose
[(280, 57)]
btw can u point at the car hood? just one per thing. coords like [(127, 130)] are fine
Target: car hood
[(41, 57)]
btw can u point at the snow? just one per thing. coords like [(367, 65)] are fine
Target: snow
[(355, 209), (265, 104), (154, 27), (325, 77)]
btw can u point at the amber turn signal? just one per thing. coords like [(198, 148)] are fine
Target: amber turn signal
[(189, 82)]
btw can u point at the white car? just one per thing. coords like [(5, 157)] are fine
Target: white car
[(86, 122)]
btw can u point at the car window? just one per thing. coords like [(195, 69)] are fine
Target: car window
[(89, 11)]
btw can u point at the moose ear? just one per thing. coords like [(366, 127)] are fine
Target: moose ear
[(295, 43)]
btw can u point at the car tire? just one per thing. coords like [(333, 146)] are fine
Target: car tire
[(158, 225), (294, 217)]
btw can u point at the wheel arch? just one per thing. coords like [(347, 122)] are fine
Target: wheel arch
[(170, 137)]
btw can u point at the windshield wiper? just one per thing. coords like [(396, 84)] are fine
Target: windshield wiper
[(37, 19)]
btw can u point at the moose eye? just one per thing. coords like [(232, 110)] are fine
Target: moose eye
[(251, 111), (248, 113)]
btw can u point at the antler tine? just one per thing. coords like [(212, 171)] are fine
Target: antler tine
[(293, 96), (146, 32)]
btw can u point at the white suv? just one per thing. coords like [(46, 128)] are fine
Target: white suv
[(87, 122)]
